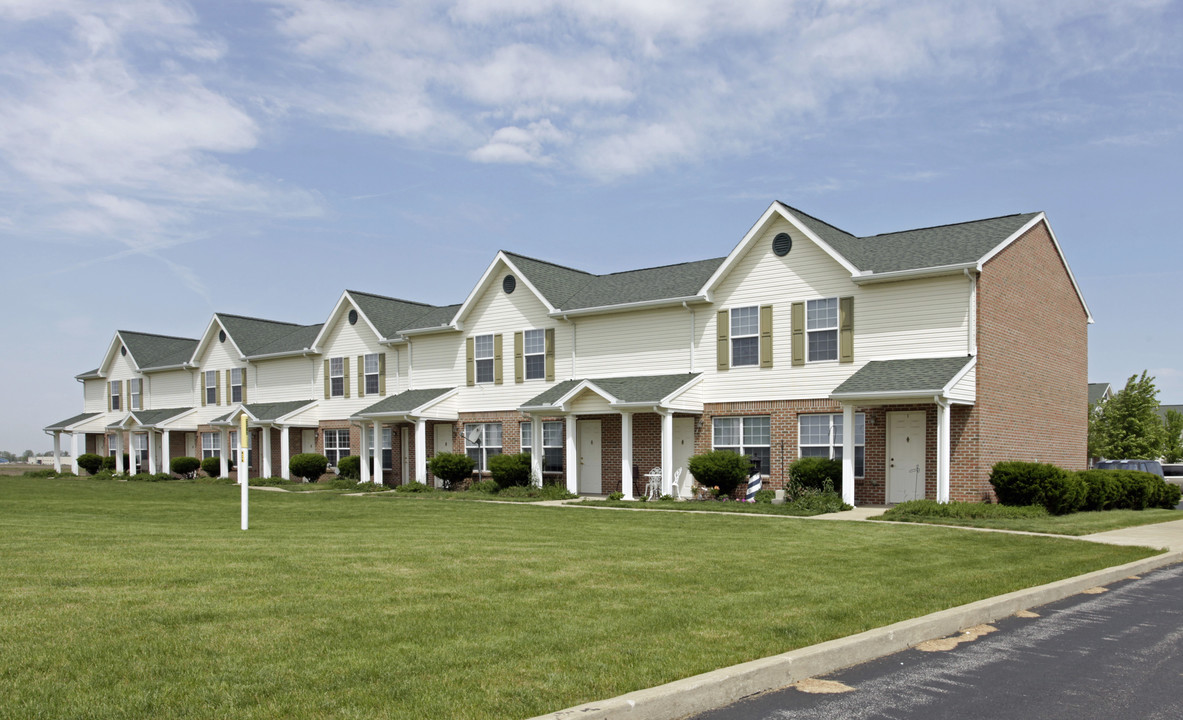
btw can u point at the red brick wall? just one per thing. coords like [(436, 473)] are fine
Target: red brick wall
[(1032, 374)]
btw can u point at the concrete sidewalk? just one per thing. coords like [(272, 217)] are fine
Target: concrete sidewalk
[(1167, 535)]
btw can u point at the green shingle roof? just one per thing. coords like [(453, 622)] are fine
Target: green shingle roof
[(636, 389), (1097, 392), (391, 315), (268, 412), (555, 282), (404, 402), (155, 417), (157, 351), (436, 317), (1162, 410), (88, 374), (923, 376), (70, 421), (255, 336)]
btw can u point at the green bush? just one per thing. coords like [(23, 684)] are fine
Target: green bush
[(349, 467), (964, 510), (817, 503), (413, 487), (42, 473), (1169, 496), (817, 473), (722, 469), (1102, 489), (270, 482), (371, 487), (309, 466), (150, 477), (109, 463), (212, 466), (485, 486), (186, 467), (90, 462), (616, 495), (1026, 483), (510, 470), (451, 468), (1127, 490), (765, 497)]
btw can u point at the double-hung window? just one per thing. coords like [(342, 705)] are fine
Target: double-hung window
[(482, 441), (337, 377), (482, 346), (534, 353), (745, 336), (116, 394), (821, 436), (112, 445), (387, 456), (139, 443), (211, 387), (749, 436), (821, 329), (135, 389), (211, 445), (250, 451), (336, 445), (236, 385), (552, 444), (371, 373)]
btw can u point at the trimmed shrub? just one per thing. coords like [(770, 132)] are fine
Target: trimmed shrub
[(1026, 483), (616, 495), (485, 486), (186, 467), (1128, 490), (109, 462), (413, 487), (212, 466), (817, 503), (309, 466), (349, 467), (150, 477), (724, 469), (43, 473), (510, 470), (1171, 495), (963, 510), (1103, 491), (451, 468), (765, 497), (817, 473), (90, 462)]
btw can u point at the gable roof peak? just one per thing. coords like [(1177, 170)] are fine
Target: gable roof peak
[(256, 319), (800, 212), (387, 297), (155, 335), (546, 262)]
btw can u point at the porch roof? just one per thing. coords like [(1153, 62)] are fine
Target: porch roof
[(408, 402), (149, 418), (635, 390), (906, 377), (68, 422), (265, 412)]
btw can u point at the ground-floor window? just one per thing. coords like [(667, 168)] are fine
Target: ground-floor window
[(482, 441), (250, 451), (387, 455), (139, 442), (211, 445), (821, 436), (336, 445), (749, 436), (112, 445), (552, 444)]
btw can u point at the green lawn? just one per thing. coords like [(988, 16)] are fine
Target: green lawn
[(145, 600), (707, 506), (1081, 523)]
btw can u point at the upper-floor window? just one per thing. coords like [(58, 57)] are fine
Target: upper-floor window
[(749, 436), (236, 385), (552, 444), (482, 441), (483, 356), (821, 329), (135, 389), (371, 374), (211, 387), (336, 445), (337, 377), (821, 436), (745, 336), (116, 389), (534, 352)]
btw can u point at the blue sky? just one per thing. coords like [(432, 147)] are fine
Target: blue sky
[(161, 160)]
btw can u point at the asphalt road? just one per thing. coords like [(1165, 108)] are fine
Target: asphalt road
[(1117, 654)]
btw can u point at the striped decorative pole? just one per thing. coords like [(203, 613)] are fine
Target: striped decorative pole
[(754, 484)]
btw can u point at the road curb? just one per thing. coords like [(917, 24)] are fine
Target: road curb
[(724, 686)]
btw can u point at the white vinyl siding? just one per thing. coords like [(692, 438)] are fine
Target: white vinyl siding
[(284, 379), (484, 443), (821, 436), (169, 389), (749, 436), (639, 342), (94, 393)]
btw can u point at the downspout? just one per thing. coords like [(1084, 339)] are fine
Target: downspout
[(972, 324), (691, 311)]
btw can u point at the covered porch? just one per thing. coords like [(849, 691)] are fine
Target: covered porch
[(414, 410), (145, 436), (268, 419), (76, 427)]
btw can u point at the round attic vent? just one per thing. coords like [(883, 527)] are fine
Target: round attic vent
[(782, 244), (221, 336), (509, 284), (352, 317), (122, 350)]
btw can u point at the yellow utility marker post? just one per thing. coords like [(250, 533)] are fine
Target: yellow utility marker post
[(244, 441)]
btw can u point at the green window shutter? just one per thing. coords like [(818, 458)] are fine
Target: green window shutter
[(765, 336), (361, 376), (550, 354), (798, 321), (470, 363), (518, 362), (846, 329), (326, 379), (382, 373), (497, 359), (244, 386), (109, 396), (723, 343), (345, 369)]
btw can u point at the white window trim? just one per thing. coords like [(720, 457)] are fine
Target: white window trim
[(524, 430), (835, 421), (732, 336), (387, 446), (135, 389), (526, 355), (215, 446), (336, 374), (477, 359), (116, 390), (743, 447), (366, 374), (337, 447), (483, 447), (233, 372), (210, 389), (837, 324)]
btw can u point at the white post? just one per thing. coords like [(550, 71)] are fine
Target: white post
[(119, 451), (57, 451), (537, 453), (421, 450), (224, 450), (285, 451), (74, 452), (265, 433), (667, 452), (364, 454), (378, 452), (165, 453), (572, 456), (152, 452), (848, 454), (943, 451), (626, 454), (133, 454), (244, 443)]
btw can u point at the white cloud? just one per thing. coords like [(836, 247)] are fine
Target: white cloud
[(519, 145)]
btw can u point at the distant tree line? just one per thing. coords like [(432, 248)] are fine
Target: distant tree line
[(1129, 425)]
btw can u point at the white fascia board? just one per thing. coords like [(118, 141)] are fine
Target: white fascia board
[(109, 358), (286, 416), (622, 307), (286, 353), (914, 274), (541, 409), (118, 423), (453, 327), (1041, 218), (335, 317), (231, 417), (665, 401), (484, 281), (207, 339), (174, 418), (973, 362), (74, 426), (588, 385), (163, 368)]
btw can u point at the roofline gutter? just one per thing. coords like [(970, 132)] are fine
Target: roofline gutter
[(888, 394), (640, 304), (895, 275), (287, 353), (449, 327)]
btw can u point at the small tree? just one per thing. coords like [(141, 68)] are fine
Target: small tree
[(186, 467), (510, 470), (452, 468), (309, 466), (1172, 447), (1128, 424), (90, 462), (724, 469)]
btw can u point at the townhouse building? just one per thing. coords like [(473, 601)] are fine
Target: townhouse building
[(918, 358)]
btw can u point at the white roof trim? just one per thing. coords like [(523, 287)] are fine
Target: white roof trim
[(622, 307), (484, 281), (335, 317), (415, 412), (110, 356), (913, 274), (207, 340), (303, 408), (1041, 218), (973, 363)]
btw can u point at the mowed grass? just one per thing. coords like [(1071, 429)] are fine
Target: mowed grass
[(1079, 523), (145, 600)]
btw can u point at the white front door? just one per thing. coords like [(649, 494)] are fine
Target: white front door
[(191, 449), (683, 450), (906, 441), (443, 438), (589, 456), (308, 440)]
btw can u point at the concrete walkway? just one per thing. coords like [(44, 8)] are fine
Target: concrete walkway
[(1166, 535)]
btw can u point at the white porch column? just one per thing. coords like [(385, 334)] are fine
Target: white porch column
[(572, 456), (364, 452), (420, 450), (119, 451), (224, 450), (265, 436), (626, 454), (377, 427), (943, 451), (74, 452), (165, 453), (57, 451), (848, 454), (152, 452), (537, 452), (285, 451), (132, 455), (667, 452)]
